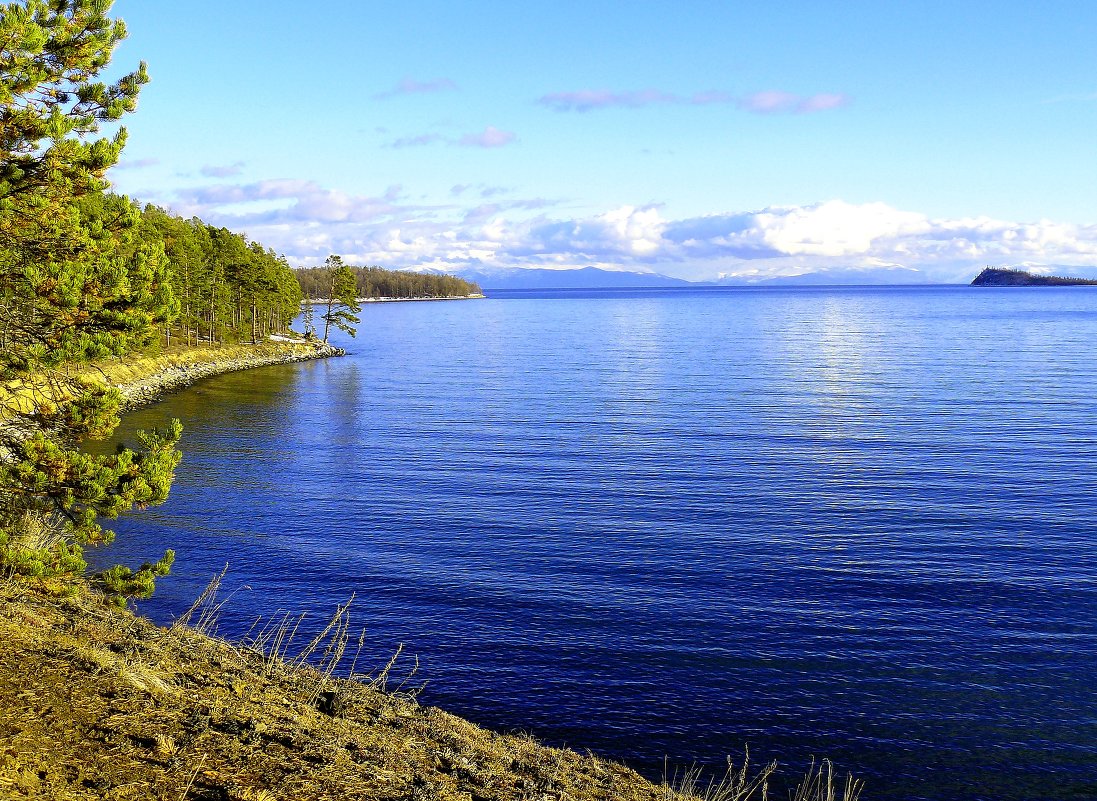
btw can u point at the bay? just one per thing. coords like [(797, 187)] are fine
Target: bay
[(846, 522)]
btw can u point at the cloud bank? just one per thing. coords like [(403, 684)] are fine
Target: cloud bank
[(307, 222)]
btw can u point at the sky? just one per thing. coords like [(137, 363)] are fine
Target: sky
[(693, 139)]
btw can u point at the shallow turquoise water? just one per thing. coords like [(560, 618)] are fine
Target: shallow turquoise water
[(848, 522)]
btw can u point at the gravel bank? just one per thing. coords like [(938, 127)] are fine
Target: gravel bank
[(168, 373)]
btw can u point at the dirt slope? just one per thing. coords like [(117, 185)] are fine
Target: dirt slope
[(101, 704)]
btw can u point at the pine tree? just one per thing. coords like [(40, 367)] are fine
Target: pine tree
[(77, 283), (342, 297)]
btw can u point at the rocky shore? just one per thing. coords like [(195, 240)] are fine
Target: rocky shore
[(145, 380)]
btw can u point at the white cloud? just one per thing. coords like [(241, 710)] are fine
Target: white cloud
[(821, 102), (638, 230), (590, 99), (136, 164), (834, 228), (281, 201), (415, 141), (306, 222), (772, 102), (490, 137)]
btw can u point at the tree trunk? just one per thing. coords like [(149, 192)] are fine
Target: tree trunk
[(331, 302)]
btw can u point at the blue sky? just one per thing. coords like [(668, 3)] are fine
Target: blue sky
[(692, 139)]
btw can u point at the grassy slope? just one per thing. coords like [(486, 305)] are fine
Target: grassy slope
[(136, 368), (97, 703)]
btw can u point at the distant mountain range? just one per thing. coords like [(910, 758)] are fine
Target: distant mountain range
[(517, 278), (838, 276), (596, 278), (585, 278)]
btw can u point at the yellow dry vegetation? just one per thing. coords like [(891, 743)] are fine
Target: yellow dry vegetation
[(101, 704), (135, 368), (24, 395)]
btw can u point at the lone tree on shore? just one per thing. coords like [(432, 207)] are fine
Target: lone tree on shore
[(342, 297), (76, 285)]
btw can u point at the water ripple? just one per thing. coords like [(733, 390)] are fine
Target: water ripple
[(857, 522)]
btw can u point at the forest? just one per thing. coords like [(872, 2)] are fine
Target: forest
[(228, 288), (214, 285), (376, 282), (87, 276)]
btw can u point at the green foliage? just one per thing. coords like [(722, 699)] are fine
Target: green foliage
[(51, 102), (59, 559), (1002, 276), (86, 276), (63, 275), (120, 582), (72, 285), (227, 288), (49, 476)]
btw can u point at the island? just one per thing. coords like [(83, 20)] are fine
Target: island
[(997, 276)]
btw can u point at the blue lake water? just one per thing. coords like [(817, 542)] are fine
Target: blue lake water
[(858, 523)]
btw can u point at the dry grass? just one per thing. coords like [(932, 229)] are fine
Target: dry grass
[(737, 784), (207, 606), (819, 785), (97, 703)]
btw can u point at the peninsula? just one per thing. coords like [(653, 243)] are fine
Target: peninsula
[(995, 276)]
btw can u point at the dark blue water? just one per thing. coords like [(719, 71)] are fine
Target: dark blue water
[(859, 523)]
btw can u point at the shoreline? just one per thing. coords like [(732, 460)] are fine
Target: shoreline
[(102, 703), (321, 302), (144, 380)]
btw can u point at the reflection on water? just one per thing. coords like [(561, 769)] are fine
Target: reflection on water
[(850, 522)]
